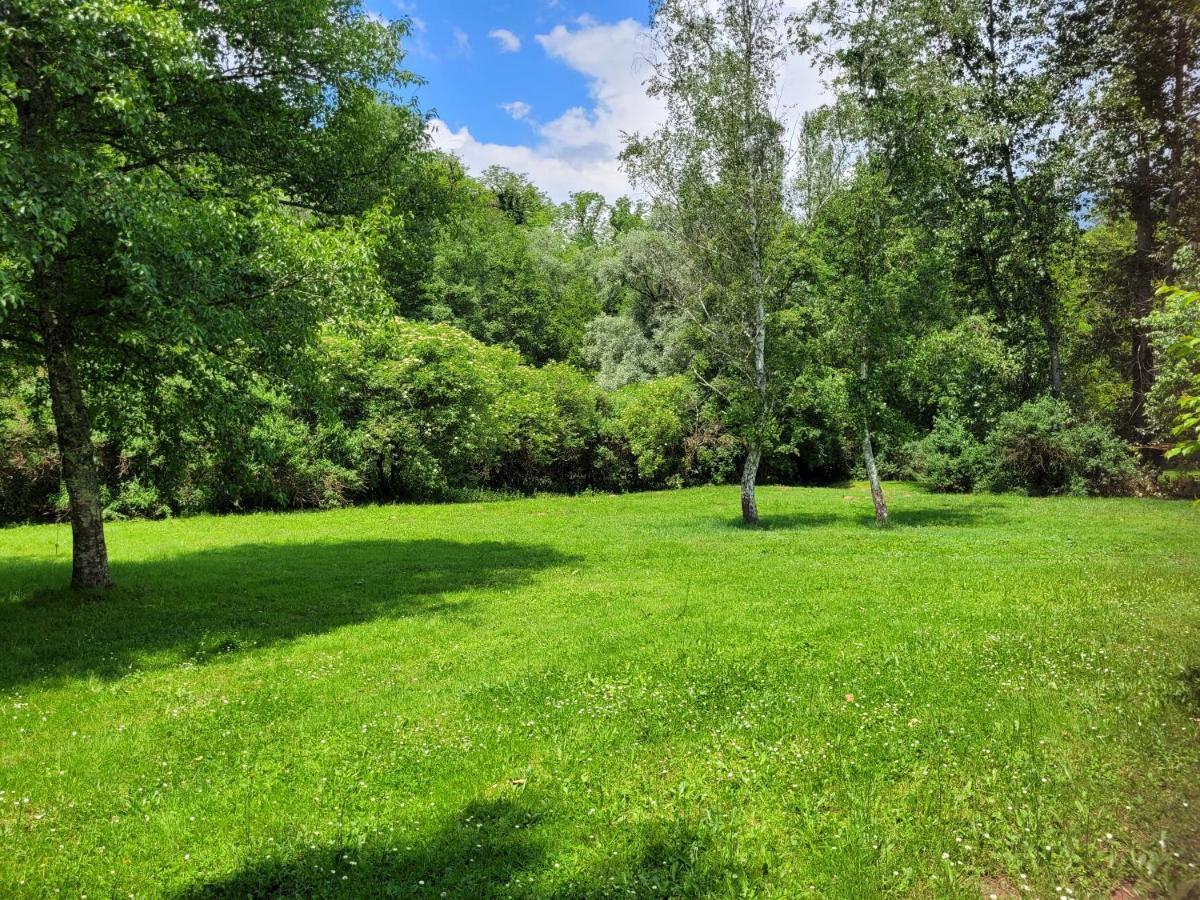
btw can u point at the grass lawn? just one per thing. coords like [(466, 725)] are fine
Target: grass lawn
[(610, 696)]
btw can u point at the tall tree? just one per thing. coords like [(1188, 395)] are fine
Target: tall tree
[(961, 104), (717, 170), (148, 154), (1136, 65)]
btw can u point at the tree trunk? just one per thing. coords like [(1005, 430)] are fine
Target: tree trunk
[(1177, 132), (749, 477), (881, 513), (1142, 355), (754, 456), (1054, 346), (89, 569)]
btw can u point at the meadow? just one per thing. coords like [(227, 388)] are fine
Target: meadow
[(610, 696)]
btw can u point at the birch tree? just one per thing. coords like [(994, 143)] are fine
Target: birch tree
[(716, 169)]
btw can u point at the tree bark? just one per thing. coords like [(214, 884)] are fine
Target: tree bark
[(1176, 141), (754, 456), (881, 512), (1054, 345), (749, 477), (1141, 352), (89, 569)]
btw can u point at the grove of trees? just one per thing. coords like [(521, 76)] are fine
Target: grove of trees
[(234, 275)]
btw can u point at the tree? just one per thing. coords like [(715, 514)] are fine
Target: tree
[(962, 104), (878, 284), (1136, 71), (158, 161), (582, 218), (519, 283), (517, 197), (717, 171)]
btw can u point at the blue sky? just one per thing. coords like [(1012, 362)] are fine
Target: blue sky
[(544, 87)]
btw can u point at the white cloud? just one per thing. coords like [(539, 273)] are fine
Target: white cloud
[(462, 41), (505, 40), (518, 109), (557, 177), (579, 149)]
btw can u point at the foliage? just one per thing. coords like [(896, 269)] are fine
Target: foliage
[(966, 374), (1042, 448), (622, 353), (1175, 399), (553, 419), (411, 408), (950, 458), (673, 438), (503, 275), (29, 464)]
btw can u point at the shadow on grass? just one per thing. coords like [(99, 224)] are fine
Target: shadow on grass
[(979, 513), (1190, 689), (494, 848), (198, 605), (484, 851)]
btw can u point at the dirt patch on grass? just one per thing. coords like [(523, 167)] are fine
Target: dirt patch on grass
[(998, 888)]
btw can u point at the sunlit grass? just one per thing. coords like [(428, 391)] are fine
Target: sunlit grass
[(610, 696)]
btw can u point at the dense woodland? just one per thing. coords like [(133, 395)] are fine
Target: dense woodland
[(235, 275)]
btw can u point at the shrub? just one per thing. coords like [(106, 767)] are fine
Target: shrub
[(551, 420), (671, 436), (948, 459), (29, 469), (135, 500), (283, 466), (1041, 448), (411, 409), (426, 411), (653, 418)]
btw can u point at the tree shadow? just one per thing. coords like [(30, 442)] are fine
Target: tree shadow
[(950, 516), (494, 848), (946, 516), (784, 521), (673, 859), (199, 605), (481, 853), (1189, 683)]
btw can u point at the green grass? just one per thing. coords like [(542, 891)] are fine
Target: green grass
[(610, 696)]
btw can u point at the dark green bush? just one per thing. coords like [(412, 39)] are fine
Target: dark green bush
[(1041, 448), (29, 468), (948, 459)]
